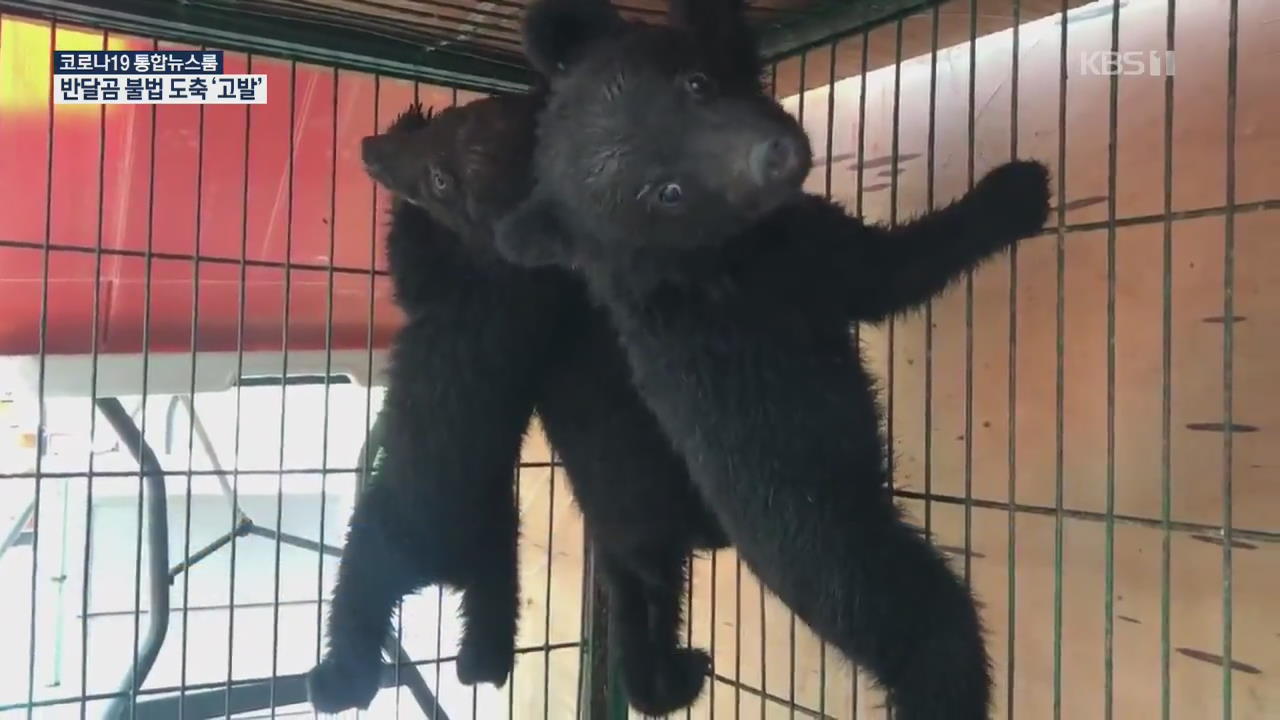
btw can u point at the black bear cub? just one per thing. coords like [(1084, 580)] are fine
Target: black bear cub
[(671, 182), (464, 372), (465, 167)]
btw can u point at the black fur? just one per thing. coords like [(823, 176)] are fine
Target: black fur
[(463, 377), (564, 29), (485, 343), (734, 307)]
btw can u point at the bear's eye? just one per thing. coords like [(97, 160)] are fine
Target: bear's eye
[(439, 181), (698, 85), (670, 194)]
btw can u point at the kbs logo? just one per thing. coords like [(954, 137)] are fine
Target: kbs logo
[(1128, 62)]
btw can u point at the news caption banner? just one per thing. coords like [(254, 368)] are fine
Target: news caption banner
[(151, 77)]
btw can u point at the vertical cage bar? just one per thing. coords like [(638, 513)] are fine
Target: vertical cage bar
[(1108, 620), (971, 116), (588, 653), (1011, 556), (511, 683), (284, 386), (791, 687), (235, 471), (930, 189), (511, 690), (737, 631), (1166, 379), (366, 461), (862, 167), (688, 628), (139, 675), (862, 122), (399, 616), (711, 705), (453, 102), (95, 310), (596, 683), (399, 611), (764, 677), (1059, 365), (328, 372), (895, 146), (831, 116), (40, 383), (764, 674), (191, 412), (1228, 352), (546, 617), (60, 580), (833, 48), (439, 588), (895, 141)]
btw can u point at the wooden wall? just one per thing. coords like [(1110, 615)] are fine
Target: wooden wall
[(1013, 459)]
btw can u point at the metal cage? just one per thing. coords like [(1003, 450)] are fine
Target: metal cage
[(1082, 425)]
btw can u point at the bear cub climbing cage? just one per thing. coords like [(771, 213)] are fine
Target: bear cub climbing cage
[(197, 312)]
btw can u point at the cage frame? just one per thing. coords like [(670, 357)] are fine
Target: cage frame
[(366, 51), (398, 59)]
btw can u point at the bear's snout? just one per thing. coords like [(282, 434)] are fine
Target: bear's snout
[(776, 161)]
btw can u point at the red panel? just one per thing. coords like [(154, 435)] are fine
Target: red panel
[(218, 185), (69, 297), (177, 143), (24, 134), (269, 137), (355, 222), (313, 167), (77, 150), (127, 184), (219, 306)]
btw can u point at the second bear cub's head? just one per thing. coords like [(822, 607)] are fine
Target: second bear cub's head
[(466, 165), (653, 137)]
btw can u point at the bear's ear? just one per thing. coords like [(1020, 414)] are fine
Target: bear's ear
[(556, 31), (722, 27), (411, 119), (390, 159), (533, 235)]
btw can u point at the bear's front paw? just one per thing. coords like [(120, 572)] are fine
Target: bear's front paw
[(1015, 197), (485, 662), (673, 682), (336, 685)]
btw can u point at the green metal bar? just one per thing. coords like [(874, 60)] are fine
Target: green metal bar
[(1166, 381), (857, 333), (600, 695), (1108, 602), (463, 66), (1060, 365), (971, 118), (1011, 554), (1228, 354), (292, 39)]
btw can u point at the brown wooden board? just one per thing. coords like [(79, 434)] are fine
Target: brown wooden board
[(893, 183)]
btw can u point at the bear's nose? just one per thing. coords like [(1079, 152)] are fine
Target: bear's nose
[(775, 160)]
